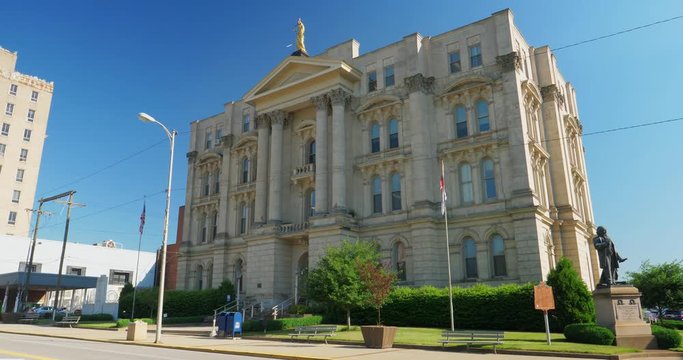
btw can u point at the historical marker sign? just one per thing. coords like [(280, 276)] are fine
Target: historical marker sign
[(543, 297)]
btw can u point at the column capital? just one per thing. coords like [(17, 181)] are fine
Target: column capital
[(277, 117), (339, 96), (418, 82), (510, 62), (262, 121), (552, 93), (321, 102)]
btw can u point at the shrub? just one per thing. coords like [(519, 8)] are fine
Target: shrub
[(281, 324), (589, 334), (97, 317), (122, 323), (671, 324), (666, 338), (573, 301)]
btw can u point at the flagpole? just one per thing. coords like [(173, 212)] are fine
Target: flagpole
[(137, 263), (448, 248)]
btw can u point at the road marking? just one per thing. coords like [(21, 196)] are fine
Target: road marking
[(25, 356)]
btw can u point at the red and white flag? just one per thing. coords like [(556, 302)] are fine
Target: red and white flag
[(142, 218), (442, 187)]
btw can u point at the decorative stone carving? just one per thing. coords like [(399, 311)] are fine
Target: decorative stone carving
[(551, 93), (262, 121), (339, 97), (321, 102), (277, 117), (227, 140), (510, 62), (418, 82), (191, 156)]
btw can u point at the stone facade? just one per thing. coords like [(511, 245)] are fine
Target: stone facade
[(24, 109), (344, 146)]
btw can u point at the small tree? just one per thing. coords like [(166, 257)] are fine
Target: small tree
[(661, 285), (336, 278), (378, 282), (573, 300)]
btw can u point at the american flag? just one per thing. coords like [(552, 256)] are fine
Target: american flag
[(142, 218), (442, 187)]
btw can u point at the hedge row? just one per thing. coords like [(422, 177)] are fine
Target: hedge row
[(97, 317), (506, 307), (666, 338), (281, 324), (589, 334), (122, 323), (671, 324)]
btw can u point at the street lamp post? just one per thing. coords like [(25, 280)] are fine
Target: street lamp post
[(162, 273)]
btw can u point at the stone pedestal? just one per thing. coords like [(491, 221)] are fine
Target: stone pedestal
[(137, 331), (618, 308)]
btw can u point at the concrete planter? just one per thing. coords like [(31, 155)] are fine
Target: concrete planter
[(378, 337)]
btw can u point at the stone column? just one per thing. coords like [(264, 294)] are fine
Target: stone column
[(321, 102), (339, 98), (262, 124), (420, 88), (277, 120)]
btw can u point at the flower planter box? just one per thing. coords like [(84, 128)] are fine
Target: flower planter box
[(379, 337)]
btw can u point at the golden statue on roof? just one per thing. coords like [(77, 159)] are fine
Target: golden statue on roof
[(300, 37)]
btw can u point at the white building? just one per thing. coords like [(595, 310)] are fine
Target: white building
[(117, 265), (24, 109), (349, 145)]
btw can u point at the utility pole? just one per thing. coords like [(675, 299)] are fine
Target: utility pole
[(69, 203), (29, 264)]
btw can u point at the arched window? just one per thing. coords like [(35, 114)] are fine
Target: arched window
[(460, 121), (398, 254), (374, 138), (395, 191), (498, 252), (466, 189), (243, 218), (310, 204), (483, 116), (245, 170), (200, 277), (376, 195), (214, 224), (393, 133), (310, 152), (470, 251), (239, 275), (488, 178)]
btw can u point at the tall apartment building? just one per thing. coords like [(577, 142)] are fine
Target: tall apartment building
[(345, 145), (25, 106)]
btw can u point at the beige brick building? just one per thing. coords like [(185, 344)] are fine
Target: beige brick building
[(343, 145), (25, 106)]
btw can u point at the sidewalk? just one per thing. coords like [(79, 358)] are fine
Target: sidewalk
[(174, 338)]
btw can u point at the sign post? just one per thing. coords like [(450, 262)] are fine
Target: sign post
[(544, 301)]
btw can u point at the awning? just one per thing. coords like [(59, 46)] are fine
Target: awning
[(44, 281)]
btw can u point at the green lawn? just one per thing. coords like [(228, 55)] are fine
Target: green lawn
[(96, 324)]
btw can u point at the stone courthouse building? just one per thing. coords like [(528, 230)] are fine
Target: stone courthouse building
[(344, 145)]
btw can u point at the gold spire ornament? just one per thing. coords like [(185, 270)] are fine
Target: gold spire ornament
[(300, 37)]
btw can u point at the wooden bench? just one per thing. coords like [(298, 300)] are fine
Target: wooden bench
[(478, 337), (69, 320), (29, 318), (314, 330)]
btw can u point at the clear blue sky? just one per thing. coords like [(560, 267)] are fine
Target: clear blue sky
[(181, 61)]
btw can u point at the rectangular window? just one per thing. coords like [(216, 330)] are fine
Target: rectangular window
[(9, 109), (15, 196), (208, 139), (499, 268), (23, 155), (74, 270), (475, 55), (27, 134), (454, 62), (219, 136), (12, 219), (31, 115), (5, 129), (20, 175), (35, 267), (389, 79), (396, 200), (372, 81), (3, 147), (119, 277), (246, 119), (13, 89), (34, 96)]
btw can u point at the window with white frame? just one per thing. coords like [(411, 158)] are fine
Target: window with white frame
[(27, 134), (393, 134), (31, 115), (9, 109), (119, 277), (466, 188), (454, 62), (376, 195), (482, 109), (35, 267), (372, 81), (23, 154), (488, 179), (498, 253), (460, 121), (12, 218), (34, 96), (389, 78), (374, 138), (470, 251), (475, 55), (20, 175), (5, 129), (395, 191), (13, 89), (16, 195)]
